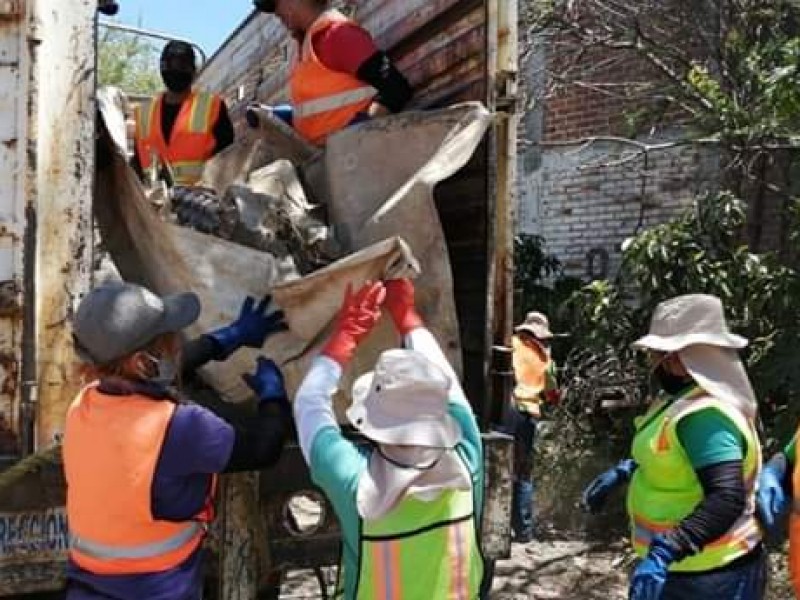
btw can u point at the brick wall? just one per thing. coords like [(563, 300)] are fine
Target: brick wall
[(602, 99), (587, 198), (584, 207)]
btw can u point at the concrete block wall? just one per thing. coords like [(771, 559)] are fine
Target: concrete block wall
[(586, 200), (586, 197)]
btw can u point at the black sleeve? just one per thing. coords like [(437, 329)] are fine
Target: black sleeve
[(723, 503), (379, 71), (223, 129), (197, 353), (259, 441), (259, 435)]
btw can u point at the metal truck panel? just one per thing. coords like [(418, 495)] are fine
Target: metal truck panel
[(12, 218), (60, 191), (47, 115)]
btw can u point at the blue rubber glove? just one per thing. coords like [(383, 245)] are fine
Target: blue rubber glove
[(252, 328), (284, 112), (771, 499), (268, 384), (650, 575), (595, 495)]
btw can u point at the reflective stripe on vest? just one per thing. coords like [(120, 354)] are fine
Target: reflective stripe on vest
[(745, 532), (112, 445), (200, 119), (420, 550), (154, 550), (664, 489), (324, 101), (333, 102), (187, 172), (191, 142)]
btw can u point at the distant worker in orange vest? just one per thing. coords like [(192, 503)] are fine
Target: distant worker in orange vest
[(340, 77), (182, 128), (140, 460)]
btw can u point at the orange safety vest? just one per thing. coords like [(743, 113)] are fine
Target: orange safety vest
[(532, 364), (794, 531), (111, 448), (324, 101), (192, 140)]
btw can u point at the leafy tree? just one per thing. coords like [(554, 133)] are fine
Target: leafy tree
[(128, 62), (725, 70), (697, 253)]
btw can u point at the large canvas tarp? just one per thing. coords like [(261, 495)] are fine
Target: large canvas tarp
[(379, 203)]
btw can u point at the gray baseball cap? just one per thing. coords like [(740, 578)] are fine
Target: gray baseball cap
[(117, 319)]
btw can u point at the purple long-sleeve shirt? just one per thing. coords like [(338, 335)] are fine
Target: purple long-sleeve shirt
[(197, 444)]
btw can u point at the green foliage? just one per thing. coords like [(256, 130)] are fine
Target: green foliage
[(699, 253), (752, 96), (128, 62), (534, 269)]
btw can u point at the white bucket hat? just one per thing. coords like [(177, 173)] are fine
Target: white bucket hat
[(403, 402), (402, 406), (688, 320), (537, 324), (694, 327)]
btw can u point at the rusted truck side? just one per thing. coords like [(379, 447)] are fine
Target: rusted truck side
[(47, 81)]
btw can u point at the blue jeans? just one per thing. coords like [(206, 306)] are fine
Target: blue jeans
[(747, 582), (523, 427)]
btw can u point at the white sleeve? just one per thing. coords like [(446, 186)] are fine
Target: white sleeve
[(422, 340), (313, 405)]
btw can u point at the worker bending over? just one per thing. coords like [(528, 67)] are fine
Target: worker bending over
[(140, 462), (340, 77), (695, 462), (178, 131), (409, 501)]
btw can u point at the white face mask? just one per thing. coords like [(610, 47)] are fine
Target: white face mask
[(166, 370)]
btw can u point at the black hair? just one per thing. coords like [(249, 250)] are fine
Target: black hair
[(180, 50)]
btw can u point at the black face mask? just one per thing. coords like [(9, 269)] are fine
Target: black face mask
[(177, 81), (671, 384)]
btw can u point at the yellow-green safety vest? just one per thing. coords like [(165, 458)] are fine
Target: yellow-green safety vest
[(665, 489), (421, 550)]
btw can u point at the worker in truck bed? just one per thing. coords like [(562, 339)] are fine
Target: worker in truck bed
[(141, 465), (695, 462), (409, 504), (340, 77), (178, 131)]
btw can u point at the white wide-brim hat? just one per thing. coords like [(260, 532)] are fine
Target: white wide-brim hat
[(404, 402), (694, 327), (688, 321)]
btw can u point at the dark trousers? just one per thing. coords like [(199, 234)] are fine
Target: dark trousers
[(523, 427), (745, 582)]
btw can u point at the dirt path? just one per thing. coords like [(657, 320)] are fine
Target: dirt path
[(540, 570), (563, 570)]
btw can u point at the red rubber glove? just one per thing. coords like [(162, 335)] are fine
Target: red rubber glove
[(400, 304), (358, 315)]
